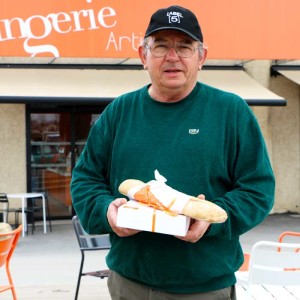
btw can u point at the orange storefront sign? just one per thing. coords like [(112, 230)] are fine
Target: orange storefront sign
[(233, 29)]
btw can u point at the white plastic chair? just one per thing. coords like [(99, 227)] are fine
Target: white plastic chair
[(269, 266)]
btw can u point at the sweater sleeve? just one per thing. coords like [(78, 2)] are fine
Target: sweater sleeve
[(90, 191), (251, 197)]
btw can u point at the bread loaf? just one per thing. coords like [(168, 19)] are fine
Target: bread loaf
[(191, 206)]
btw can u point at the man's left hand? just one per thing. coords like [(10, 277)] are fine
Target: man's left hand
[(197, 229)]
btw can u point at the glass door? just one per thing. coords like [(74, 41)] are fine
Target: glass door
[(56, 141)]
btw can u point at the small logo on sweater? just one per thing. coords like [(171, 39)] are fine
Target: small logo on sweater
[(193, 131)]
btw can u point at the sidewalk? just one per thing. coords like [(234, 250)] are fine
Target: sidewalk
[(45, 266)]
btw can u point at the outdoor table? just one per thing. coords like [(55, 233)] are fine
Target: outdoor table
[(24, 197)]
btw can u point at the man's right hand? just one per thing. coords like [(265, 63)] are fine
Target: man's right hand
[(112, 213)]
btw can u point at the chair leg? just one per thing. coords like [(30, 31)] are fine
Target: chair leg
[(30, 216), (32, 222), (16, 219), (79, 276), (13, 291), (4, 216), (48, 213)]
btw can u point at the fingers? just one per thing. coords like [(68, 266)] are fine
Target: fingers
[(196, 231), (118, 202), (112, 213)]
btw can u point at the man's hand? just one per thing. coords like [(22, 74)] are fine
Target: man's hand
[(197, 229), (112, 218)]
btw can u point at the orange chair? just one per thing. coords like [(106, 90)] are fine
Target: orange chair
[(288, 233), (245, 265), (8, 242)]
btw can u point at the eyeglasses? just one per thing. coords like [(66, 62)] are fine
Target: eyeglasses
[(182, 50)]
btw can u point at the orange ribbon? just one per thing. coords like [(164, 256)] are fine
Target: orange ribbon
[(145, 196), (153, 220)]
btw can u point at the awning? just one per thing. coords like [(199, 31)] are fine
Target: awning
[(93, 86), (291, 72), (240, 83)]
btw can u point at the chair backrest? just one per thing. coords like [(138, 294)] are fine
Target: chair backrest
[(3, 198), (4, 204), (8, 242), (4, 207), (289, 234), (89, 241), (293, 237), (269, 266)]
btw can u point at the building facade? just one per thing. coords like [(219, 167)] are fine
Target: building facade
[(49, 100)]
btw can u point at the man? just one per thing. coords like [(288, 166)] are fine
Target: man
[(204, 141)]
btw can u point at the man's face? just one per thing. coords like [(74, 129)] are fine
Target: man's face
[(171, 71)]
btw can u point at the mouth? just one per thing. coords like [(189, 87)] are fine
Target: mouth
[(172, 71)]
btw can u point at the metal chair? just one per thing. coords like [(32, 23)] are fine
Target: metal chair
[(89, 242), (8, 242), (4, 207), (289, 234)]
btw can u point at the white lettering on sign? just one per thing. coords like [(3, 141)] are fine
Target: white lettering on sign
[(117, 43), (38, 27)]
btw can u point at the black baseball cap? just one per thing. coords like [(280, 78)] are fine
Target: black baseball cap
[(175, 18)]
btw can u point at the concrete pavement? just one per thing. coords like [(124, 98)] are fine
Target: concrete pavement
[(45, 266)]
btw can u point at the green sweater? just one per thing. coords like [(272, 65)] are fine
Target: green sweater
[(209, 143)]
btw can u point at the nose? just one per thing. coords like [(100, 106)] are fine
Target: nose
[(172, 54)]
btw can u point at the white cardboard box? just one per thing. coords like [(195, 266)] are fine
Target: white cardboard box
[(138, 216)]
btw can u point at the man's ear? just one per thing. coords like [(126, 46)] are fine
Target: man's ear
[(142, 54), (202, 59)]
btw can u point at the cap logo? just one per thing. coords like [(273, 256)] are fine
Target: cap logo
[(174, 17)]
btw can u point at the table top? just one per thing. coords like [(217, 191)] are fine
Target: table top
[(25, 195)]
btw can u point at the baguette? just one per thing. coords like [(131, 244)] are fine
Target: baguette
[(195, 208)]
